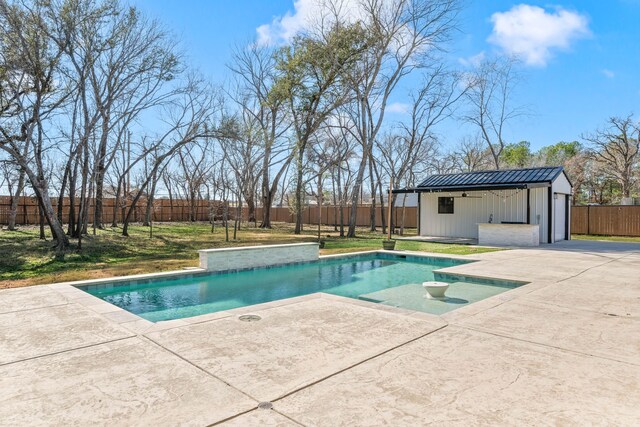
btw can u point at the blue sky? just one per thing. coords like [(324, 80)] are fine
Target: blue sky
[(581, 58)]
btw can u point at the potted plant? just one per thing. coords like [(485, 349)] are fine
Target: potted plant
[(388, 244), (321, 243)]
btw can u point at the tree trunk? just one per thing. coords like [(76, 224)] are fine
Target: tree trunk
[(127, 217), (372, 209), (341, 201), (72, 202), (267, 201), (83, 192), (150, 199), (15, 201), (41, 221), (319, 204), (63, 185), (335, 202), (383, 218), (148, 211), (41, 190), (404, 203), (225, 217), (101, 169), (354, 196), (299, 194), (251, 208), (192, 204), (238, 216), (116, 202), (90, 198), (98, 206)]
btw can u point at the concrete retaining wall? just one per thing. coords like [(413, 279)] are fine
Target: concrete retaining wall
[(257, 256)]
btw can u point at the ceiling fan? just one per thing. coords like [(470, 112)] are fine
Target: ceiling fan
[(466, 196)]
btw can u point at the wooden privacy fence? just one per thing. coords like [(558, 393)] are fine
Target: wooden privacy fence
[(330, 215), (180, 211), (606, 220), (163, 210)]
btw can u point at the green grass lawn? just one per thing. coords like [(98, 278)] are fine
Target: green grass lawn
[(606, 238), (26, 260)]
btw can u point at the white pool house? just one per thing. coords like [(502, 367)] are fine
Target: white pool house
[(515, 207)]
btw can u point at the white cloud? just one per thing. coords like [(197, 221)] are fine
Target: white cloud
[(283, 28), (398, 108), (472, 61), (533, 34), (608, 73)]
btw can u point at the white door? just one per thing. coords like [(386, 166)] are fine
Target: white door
[(559, 222)]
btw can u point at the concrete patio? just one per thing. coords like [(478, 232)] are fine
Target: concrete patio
[(564, 349)]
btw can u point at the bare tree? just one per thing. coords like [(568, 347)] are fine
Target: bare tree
[(617, 148), (32, 88), (404, 35), (313, 69), (14, 179), (243, 153), (341, 143), (190, 117), (195, 166), (122, 61), (256, 74), (492, 85), (473, 153)]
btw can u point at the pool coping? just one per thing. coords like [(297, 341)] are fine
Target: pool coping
[(74, 294)]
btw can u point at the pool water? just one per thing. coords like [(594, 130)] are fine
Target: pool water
[(381, 278)]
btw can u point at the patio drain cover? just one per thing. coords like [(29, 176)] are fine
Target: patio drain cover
[(265, 405), (249, 318)]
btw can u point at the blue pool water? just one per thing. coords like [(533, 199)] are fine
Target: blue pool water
[(381, 278)]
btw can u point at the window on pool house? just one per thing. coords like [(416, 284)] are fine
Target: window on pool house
[(445, 205)]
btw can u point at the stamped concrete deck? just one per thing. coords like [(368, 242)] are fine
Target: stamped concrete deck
[(564, 349)]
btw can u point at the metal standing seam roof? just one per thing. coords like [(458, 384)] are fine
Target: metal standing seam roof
[(510, 178)]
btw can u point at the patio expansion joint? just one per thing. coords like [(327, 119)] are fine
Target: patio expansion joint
[(37, 308), (312, 383), (360, 362), (610, 260), (68, 350), (526, 298), (201, 369), (536, 343)]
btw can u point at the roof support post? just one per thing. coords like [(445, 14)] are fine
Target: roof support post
[(528, 206), (549, 214)]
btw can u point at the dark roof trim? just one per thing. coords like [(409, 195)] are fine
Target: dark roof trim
[(405, 191), (486, 180), (469, 188)]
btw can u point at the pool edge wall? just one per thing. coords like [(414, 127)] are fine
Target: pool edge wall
[(257, 256)]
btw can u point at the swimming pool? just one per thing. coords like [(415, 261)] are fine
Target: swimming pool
[(383, 278)]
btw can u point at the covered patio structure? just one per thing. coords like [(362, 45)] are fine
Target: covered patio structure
[(515, 207)]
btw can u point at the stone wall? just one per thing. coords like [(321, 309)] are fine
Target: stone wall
[(257, 256)]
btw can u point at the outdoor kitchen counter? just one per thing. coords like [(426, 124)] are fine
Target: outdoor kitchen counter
[(509, 234)]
